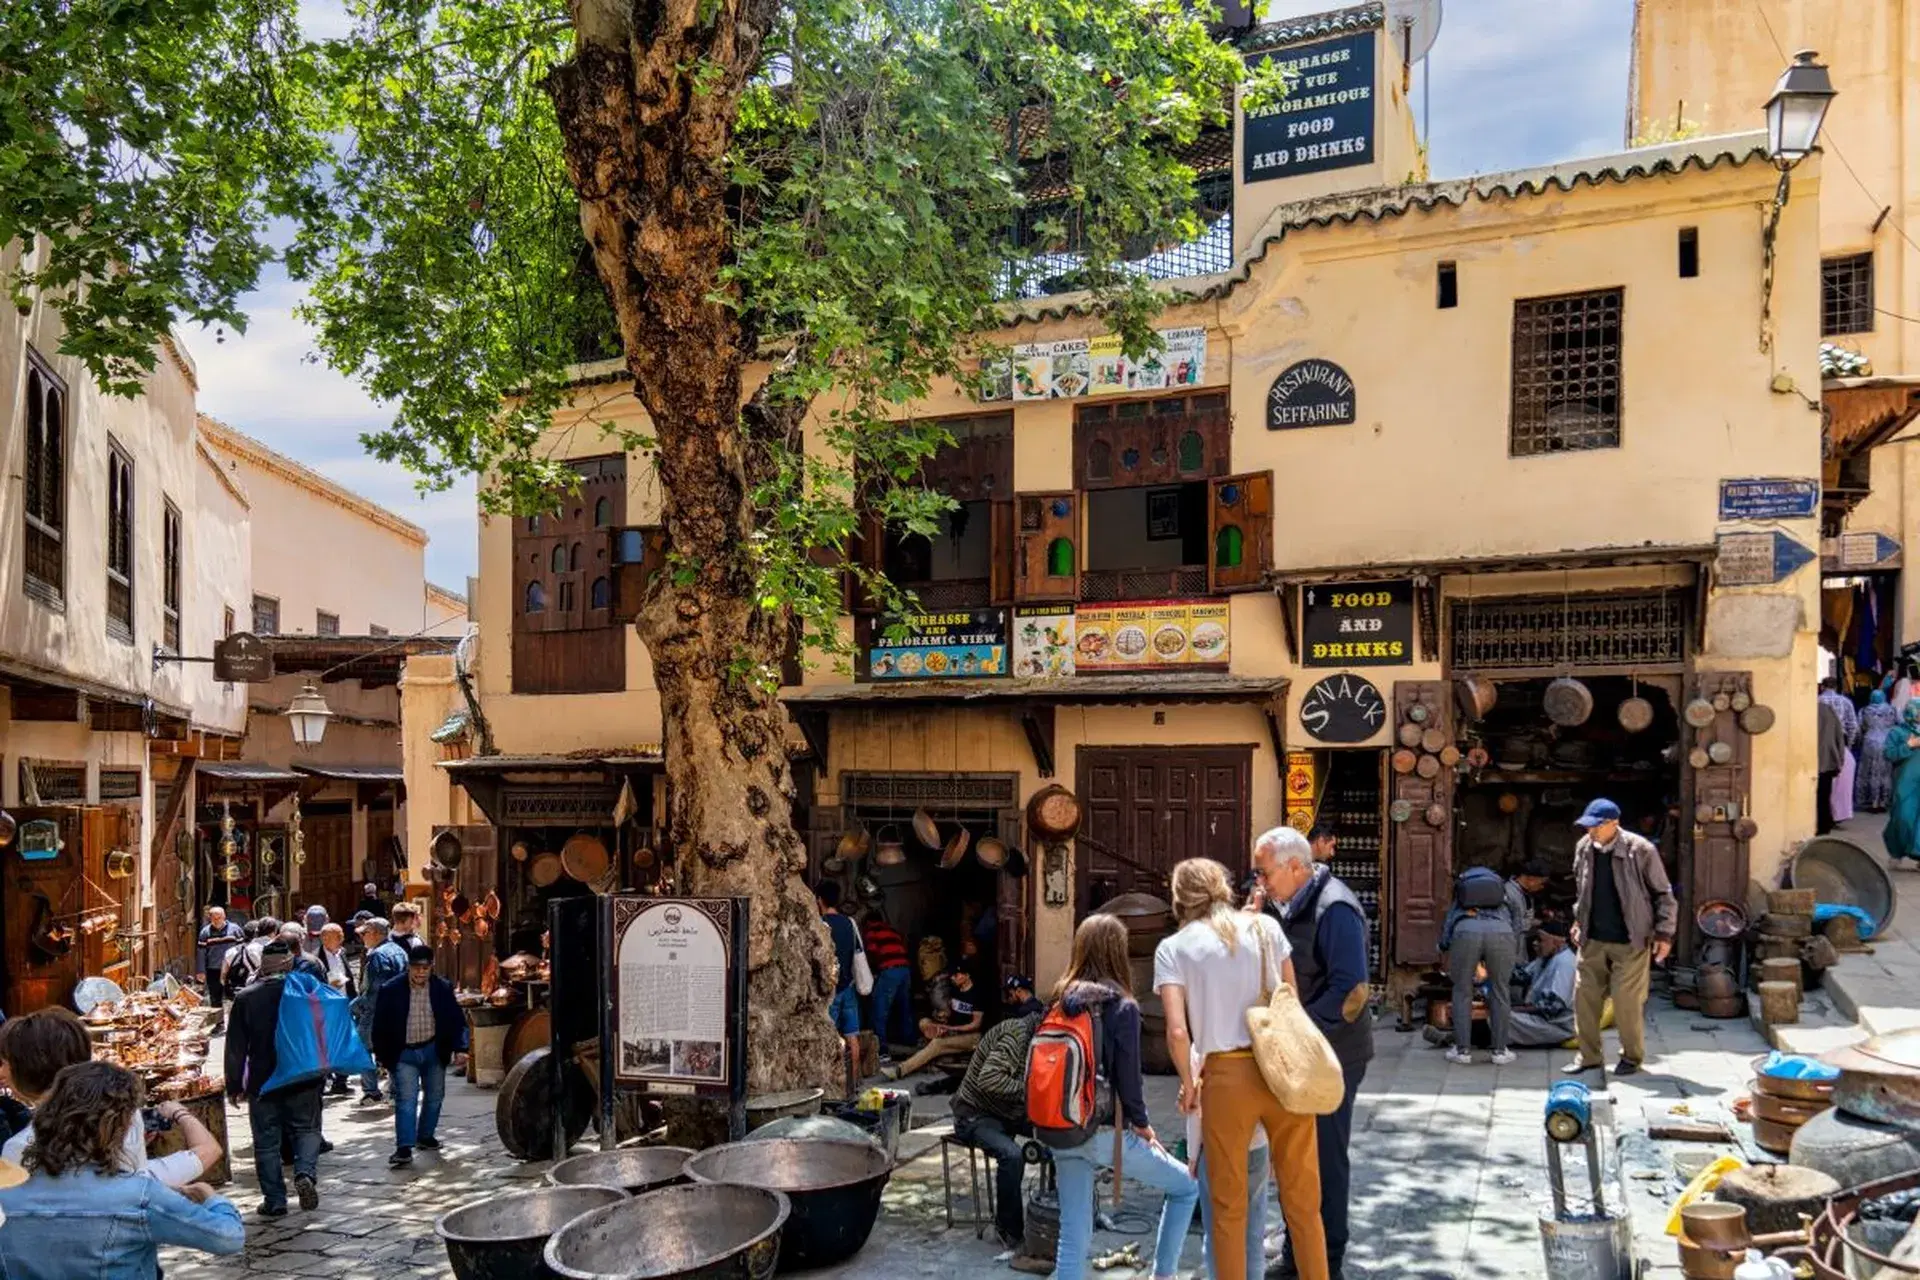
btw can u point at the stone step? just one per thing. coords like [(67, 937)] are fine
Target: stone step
[(1822, 1027)]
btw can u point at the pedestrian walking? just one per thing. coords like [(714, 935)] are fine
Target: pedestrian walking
[(892, 1019), (1326, 931), (316, 920), (1544, 1018), (291, 1111), (990, 1112), (1832, 737), (1873, 785), (1220, 963), (1902, 834), (370, 902), (83, 1212), (218, 936), (417, 1028), (338, 968), (405, 930), (386, 962), (1097, 984), (844, 1008), (1482, 935), (1624, 917)]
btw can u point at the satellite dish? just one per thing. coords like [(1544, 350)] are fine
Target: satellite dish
[(1413, 26)]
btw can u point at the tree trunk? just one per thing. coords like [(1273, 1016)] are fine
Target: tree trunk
[(645, 148)]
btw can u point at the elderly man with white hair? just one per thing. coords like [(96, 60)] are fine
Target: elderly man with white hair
[(1327, 928)]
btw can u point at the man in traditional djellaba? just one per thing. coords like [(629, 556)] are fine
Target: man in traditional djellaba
[(1873, 786), (1903, 815)]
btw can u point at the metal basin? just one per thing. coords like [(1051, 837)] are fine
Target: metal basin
[(833, 1184), (1840, 871), (502, 1238), (635, 1169), (676, 1233)]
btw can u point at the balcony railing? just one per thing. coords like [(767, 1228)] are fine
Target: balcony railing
[(1062, 271), (1104, 585)]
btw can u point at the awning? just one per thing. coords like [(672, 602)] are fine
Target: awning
[(245, 772), (1036, 700), (1532, 562), (592, 762), (1863, 413), (381, 773), (552, 791)]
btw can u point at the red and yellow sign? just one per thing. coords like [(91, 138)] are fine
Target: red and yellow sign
[(1302, 789), (1151, 636)]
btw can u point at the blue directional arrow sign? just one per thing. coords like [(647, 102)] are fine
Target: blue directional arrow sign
[(1758, 559)]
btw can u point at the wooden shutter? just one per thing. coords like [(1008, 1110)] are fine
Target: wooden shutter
[(1041, 520), (1421, 863), (1001, 569), (1711, 862), (1015, 942), (1243, 502), (630, 577)]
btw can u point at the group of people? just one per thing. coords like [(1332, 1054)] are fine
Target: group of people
[(1860, 748)]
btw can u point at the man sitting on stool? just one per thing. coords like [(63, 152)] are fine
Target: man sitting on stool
[(1545, 1017), (990, 1112)]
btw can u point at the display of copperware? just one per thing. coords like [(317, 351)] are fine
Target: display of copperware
[(519, 852), (544, 870), (853, 843), (1698, 758), (1793, 1088), (1400, 810), (1477, 757), (1567, 702), (1404, 760), (925, 829), (1699, 713), (1418, 713), (1635, 715), (1508, 802), (1427, 766), (1449, 756), (888, 849), (1720, 752), (1433, 739), (956, 849), (1756, 719), (1436, 815), (1476, 696), (1409, 735), (991, 851), (1721, 919), (1054, 812), (1745, 828)]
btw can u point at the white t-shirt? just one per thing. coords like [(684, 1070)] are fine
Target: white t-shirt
[(1221, 985), (176, 1170)]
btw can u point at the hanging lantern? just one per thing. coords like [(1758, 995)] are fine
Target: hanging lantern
[(308, 714)]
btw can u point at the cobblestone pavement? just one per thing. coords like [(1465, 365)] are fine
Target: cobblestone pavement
[(1448, 1178)]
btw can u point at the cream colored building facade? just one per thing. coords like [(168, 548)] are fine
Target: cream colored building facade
[(1387, 448)]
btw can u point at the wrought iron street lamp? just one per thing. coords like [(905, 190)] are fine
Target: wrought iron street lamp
[(308, 713), (1797, 109)]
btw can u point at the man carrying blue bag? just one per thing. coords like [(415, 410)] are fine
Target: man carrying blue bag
[(286, 1033)]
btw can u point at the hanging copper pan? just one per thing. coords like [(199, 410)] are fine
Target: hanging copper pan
[(1508, 802), (1720, 752), (544, 869), (1400, 810), (925, 829), (1418, 713), (1476, 696), (992, 852), (1409, 735), (1567, 702), (1449, 756), (956, 849), (1703, 813), (1478, 758), (1054, 812), (1436, 815), (1432, 740), (888, 849), (1745, 828), (1404, 760), (584, 857), (1741, 700), (1427, 766), (1757, 718), (1698, 758), (853, 844), (1699, 713), (1635, 715), (1723, 702), (519, 851)]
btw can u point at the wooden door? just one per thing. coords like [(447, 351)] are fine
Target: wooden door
[(384, 859), (39, 894), (1015, 952), (327, 875), (1239, 532), (1712, 861), (1421, 851), (1147, 808)]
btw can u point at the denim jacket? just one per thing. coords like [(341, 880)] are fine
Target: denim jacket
[(94, 1226)]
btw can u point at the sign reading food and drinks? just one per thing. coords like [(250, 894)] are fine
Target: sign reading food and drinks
[(1326, 119), (1076, 367), (1357, 624), (962, 644), (1151, 636)]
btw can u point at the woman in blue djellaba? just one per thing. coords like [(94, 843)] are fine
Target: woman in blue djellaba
[(1903, 814)]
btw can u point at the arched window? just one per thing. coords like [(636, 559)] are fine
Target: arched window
[(536, 598), (533, 524), (1060, 558), (558, 561), (1228, 546), (1193, 453), (573, 558), (601, 596), (602, 513)]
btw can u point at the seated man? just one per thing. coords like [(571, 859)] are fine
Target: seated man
[(989, 1111), (954, 1029), (1017, 999), (1545, 1017)]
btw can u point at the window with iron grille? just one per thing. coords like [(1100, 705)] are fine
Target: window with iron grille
[(1846, 294), (170, 575), (119, 784), (1566, 372), (42, 782), (266, 616), (1631, 629), (119, 543), (46, 484), (325, 624)]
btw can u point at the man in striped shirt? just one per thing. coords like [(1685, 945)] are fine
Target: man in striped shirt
[(892, 1013)]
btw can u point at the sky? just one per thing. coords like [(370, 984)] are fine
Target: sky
[(1515, 83)]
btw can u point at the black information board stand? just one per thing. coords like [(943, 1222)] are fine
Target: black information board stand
[(575, 947)]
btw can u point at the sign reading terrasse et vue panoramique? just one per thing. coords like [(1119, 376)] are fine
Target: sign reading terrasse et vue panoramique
[(1312, 393), (1326, 119)]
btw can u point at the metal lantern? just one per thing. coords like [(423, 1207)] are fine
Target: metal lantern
[(308, 713), (1797, 108)]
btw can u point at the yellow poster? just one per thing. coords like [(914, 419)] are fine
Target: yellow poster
[(1154, 636)]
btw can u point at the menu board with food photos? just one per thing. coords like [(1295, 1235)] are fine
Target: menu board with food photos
[(1076, 367), (1151, 636), (965, 644), (1043, 638)]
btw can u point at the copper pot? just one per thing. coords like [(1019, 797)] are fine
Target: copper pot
[(1409, 735), (853, 844), (888, 849), (1567, 702), (584, 857), (1476, 696), (925, 829), (991, 852), (1427, 766), (1054, 812), (1716, 1225), (544, 869), (1635, 714), (956, 849)]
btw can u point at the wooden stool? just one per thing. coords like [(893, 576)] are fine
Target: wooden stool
[(975, 1202)]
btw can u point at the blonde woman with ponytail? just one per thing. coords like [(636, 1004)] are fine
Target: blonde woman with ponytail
[(1219, 964)]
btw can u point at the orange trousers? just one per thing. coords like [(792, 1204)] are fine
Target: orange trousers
[(1233, 1099)]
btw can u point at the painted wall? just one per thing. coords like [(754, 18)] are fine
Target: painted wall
[(444, 612), (428, 695), (318, 547)]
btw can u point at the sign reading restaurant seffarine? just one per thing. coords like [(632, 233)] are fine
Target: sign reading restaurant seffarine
[(1312, 393), (1326, 119)]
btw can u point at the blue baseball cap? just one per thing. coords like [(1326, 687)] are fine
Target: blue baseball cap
[(1598, 811)]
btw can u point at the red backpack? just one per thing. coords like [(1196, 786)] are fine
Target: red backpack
[(1068, 1095)]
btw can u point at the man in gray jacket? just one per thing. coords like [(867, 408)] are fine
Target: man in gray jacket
[(1624, 918)]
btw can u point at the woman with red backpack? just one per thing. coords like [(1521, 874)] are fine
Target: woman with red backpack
[(1086, 1099)]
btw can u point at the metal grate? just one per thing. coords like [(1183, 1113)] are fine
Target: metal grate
[(958, 593), (1550, 632), (1566, 372), (1143, 584), (1058, 264), (119, 784), (52, 783), (968, 790), (1846, 294)]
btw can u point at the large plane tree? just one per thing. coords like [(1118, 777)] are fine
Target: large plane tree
[(787, 219)]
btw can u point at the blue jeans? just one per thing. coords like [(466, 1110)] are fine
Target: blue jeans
[(419, 1078), (370, 1078), (893, 1006), (1257, 1159), (1073, 1172), (844, 1009), (273, 1116)]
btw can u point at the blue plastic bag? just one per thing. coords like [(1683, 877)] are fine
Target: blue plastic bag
[(315, 1036), (1825, 911), (1793, 1066)]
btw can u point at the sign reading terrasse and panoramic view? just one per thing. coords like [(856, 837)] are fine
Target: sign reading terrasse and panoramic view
[(1357, 624), (964, 644), (1326, 119)]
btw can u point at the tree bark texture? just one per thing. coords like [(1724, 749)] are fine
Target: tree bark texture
[(646, 151)]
